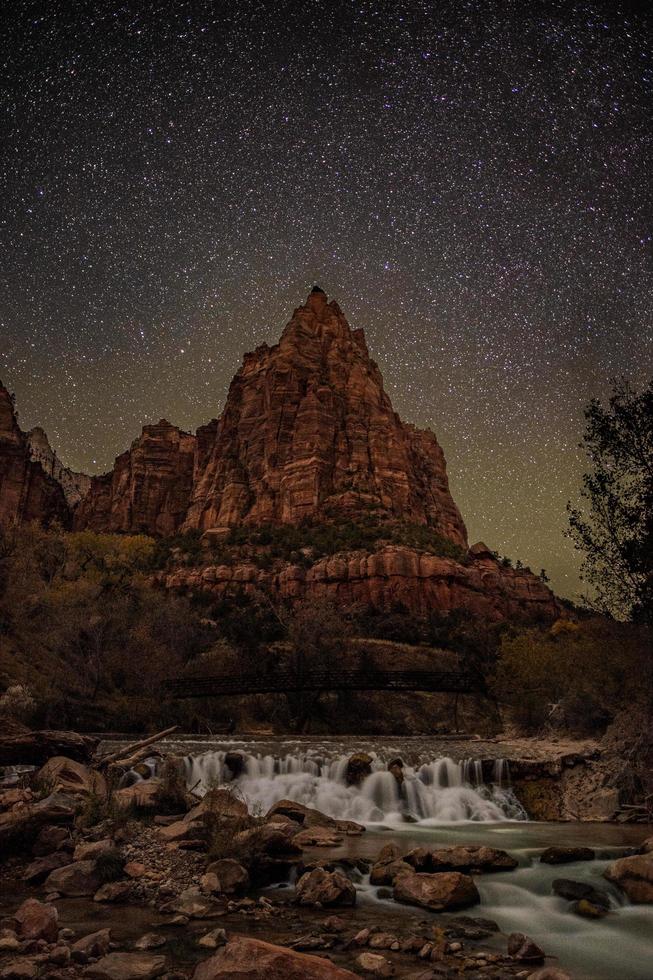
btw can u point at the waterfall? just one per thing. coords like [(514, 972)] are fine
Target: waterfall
[(438, 791)]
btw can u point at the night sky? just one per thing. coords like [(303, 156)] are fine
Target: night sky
[(471, 181)]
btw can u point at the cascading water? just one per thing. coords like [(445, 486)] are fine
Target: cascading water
[(440, 791)]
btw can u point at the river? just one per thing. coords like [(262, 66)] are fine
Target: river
[(444, 799)]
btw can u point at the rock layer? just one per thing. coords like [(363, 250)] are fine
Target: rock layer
[(149, 488), (309, 433), (391, 577), (27, 492)]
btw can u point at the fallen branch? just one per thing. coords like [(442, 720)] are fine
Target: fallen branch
[(126, 751)]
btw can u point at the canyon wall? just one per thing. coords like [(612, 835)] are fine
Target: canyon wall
[(27, 492), (149, 488)]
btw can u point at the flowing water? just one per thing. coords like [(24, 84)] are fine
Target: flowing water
[(439, 790), (447, 797)]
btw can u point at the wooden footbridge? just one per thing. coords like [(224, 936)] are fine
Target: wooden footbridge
[(281, 681)]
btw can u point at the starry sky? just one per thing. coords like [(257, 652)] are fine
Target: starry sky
[(470, 180)]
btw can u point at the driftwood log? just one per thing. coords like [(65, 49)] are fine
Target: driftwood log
[(129, 755), (35, 748)]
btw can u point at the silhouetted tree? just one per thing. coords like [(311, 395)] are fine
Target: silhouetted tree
[(613, 526)]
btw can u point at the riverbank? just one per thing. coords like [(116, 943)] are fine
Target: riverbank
[(171, 876)]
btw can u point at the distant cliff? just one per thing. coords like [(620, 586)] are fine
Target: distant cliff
[(74, 485), (27, 491)]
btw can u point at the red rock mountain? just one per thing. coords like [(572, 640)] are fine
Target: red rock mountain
[(27, 492), (148, 489), (309, 433)]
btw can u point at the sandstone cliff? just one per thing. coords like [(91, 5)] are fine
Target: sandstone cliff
[(391, 577), (308, 433), (149, 488), (27, 492), (74, 485)]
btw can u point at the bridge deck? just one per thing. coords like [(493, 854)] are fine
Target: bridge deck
[(325, 680)]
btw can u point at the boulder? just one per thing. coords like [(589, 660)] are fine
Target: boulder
[(317, 837), (385, 873), (232, 877), (396, 767), (576, 891), (213, 939), (79, 878), (472, 857), (37, 920), (524, 949), (146, 794), (359, 767), (89, 850), (235, 763), (589, 910), (50, 838), (192, 903), (151, 940), (63, 775), (565, 855), (95, 944), (23, 968), (268, 850), (375, 965), (37, 871), (634, 875), (309, 817), (325, 889), (446, 890), (25, 822), (126, 966), (252, 959), (113, 891)]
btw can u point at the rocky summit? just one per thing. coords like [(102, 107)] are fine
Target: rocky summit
[(309, 433)]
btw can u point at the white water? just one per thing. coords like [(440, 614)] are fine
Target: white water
[(439, 791)]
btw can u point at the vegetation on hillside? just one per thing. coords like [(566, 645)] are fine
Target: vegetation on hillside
[(303, 544)]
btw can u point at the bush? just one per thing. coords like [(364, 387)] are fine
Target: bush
[(570, 676)]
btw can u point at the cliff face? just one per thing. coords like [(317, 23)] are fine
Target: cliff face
[(308, 432), (148, 490), (27, 492), (390, 577), (74, 485)]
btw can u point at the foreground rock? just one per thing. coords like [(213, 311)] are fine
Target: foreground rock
[(25, 822), (524, 949), (232, 877), (565, 855), (37, 920), (253, 959), (63, 775), (127, 966), (447, 890), (325, 889), (75, 880), (307, 817), (219, 812), (577, 891), (460, 858), (634, 875)]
